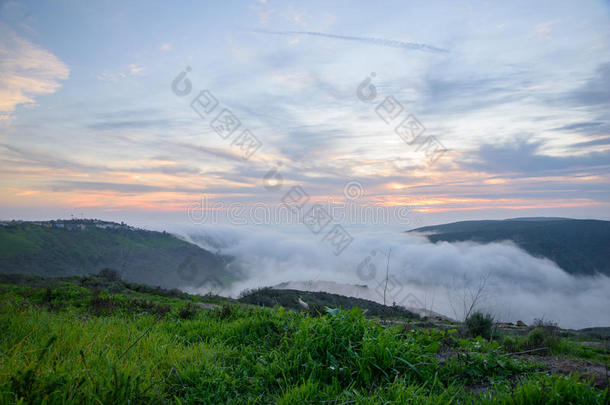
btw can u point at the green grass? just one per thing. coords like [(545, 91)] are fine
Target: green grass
[(557, 345), (69, 343)]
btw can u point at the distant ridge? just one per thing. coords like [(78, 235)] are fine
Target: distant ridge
[(578, 246), (356, 291), (79, 247), (535, 219), (300, 300)]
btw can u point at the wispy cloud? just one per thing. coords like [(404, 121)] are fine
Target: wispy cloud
[(131, 124), (27, 71), (110, 77), (596, 92), (411, 46), (135, 70), (524, 156), (582, 127), (604, 141), (544, 30), (132, 70), (130, 188)]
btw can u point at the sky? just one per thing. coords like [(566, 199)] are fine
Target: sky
[(430, 112)]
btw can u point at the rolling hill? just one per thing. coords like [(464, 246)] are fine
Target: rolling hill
[(81, 247), (317, 300), (579, 246)]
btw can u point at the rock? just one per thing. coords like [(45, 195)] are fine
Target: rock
[(521, 323)]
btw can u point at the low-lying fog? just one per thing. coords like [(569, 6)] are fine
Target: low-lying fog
[(441, 277)]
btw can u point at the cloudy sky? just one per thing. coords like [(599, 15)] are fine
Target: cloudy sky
[(506, 107)]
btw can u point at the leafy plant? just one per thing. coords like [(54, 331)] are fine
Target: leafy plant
[(479, 324)]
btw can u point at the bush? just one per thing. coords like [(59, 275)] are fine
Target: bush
[(109, 274), (510, 343), (542, 323), (536, 338), (226, 312), (188, 311), (107, 304), (540, 337), (106, 279), (479, 324)]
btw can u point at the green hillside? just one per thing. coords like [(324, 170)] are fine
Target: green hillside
[(580, 247), (99, 340), (80, 247), (316, 300)]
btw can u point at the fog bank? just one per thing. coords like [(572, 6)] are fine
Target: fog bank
[(441, 277)]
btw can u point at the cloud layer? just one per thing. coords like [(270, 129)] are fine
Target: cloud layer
[(436, 276)]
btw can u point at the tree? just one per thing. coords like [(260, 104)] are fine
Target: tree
[(470, 297)]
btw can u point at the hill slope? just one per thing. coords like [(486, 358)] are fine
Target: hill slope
[(580, 247), (72, 341), (316, 301), (65, 248)]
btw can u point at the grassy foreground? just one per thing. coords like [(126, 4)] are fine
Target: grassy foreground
[(91, 340)]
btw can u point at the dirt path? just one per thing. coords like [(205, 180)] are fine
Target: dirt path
[(562, 365), (206, 305)]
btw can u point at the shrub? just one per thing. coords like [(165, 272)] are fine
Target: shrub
[(479, 324), (536, 337), (542, 323), (109, 274), (106, 279), (150, 307), (226, 312), (510, 343), (188, 311), (540, 337), (106, 304)]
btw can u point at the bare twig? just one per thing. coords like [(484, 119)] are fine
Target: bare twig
[(387, 272), (468, 296), (476, 296), (493, 332), (141, 336), (174, 371)]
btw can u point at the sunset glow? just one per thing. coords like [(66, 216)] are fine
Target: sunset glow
[(97, 129)]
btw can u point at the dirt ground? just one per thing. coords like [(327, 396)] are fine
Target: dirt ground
[(206, 305), (561, 365)]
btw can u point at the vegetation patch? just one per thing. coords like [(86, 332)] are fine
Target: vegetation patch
[(64, 342), (314, 302)]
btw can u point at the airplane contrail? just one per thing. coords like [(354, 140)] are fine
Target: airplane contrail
[(373, 41)]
